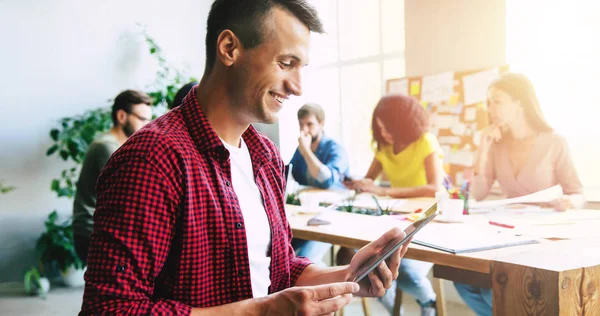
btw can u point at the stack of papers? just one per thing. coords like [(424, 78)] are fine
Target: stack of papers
[(544, 196)]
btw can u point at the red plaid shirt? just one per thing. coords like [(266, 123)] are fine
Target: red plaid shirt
[(168, 229)]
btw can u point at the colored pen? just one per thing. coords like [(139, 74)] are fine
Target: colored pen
[(501, 224)]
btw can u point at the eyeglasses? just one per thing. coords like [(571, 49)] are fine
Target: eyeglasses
[(139, 117)]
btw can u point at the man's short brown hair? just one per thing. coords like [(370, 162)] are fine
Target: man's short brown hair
[(312, 109), (126, 99)]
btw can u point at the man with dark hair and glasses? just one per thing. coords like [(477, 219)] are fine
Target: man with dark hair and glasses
[(130, 111), (190, 218)]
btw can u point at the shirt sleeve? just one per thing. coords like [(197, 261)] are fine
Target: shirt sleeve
[(429, 145), (336, 163), (134, 226), (566, 174), (482, 182)]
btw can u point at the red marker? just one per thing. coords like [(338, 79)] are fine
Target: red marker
[(501, 225), (419, 210)]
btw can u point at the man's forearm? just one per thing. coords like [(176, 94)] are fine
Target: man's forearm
[(315, 275), (250, 307), (313, 163)]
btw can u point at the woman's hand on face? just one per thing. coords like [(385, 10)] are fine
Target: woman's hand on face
[(491, 134)]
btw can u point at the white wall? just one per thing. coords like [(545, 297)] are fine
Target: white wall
[(454, 35), (59, 58)]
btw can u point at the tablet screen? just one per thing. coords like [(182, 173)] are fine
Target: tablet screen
[(393, 245)]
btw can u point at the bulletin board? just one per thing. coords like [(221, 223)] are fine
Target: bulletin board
[(457, 102)]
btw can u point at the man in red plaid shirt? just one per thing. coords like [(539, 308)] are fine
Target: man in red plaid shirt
[(190, 214)]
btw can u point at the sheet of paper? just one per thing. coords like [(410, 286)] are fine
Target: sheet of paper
[(458, 129), (415, 88), (454, 99), (399, 86), (469, 130), (449, 140), (462, 158), (477, 138), (447, 153), (437, 87), (543, 196), (460, 179), (470, 114), (444, 121), (475, 86)]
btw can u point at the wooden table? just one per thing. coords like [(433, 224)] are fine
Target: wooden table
[(553, 277)]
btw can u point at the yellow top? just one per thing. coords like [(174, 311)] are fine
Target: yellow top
[(407, 168)]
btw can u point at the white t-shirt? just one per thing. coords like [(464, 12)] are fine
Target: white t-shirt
[(256, 222)]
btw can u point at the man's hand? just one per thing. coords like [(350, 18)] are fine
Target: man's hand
[(304, 141), (380, 279), (311, 300)]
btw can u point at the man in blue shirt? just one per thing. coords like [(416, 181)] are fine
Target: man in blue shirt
[(320, 162)]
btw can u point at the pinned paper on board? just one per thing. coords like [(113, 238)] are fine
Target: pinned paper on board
[(481, 105), (415, 88), (458, 129), (449, 140), (462, 158), (450, 109), (446, 151), (445, 109), (437, 87), (475, 86), (470, 114), (454, 99), (399, 86), (444, 121), (469, 130), (460, 178), (458, 108), (477, 138), (454, 148)]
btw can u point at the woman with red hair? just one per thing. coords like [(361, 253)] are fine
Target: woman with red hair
[(411, 158), (408, 154)]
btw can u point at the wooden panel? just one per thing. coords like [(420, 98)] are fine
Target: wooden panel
[(521, 290), (589, 289), (570, 293), (477, 279)]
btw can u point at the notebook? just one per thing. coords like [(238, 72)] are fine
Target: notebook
[(458, 239)]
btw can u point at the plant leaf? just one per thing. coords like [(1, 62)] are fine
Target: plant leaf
[(54, 134), (52, 150), (55, 186)]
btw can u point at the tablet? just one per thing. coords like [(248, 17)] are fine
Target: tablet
[(394, 245)]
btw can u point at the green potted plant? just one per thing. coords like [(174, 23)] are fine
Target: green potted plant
[(70, 142), (35, 283), (57, 250)]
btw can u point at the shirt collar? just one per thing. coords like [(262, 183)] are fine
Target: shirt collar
[(206, 138)]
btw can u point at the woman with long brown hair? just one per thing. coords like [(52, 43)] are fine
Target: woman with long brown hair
[(524, 154)]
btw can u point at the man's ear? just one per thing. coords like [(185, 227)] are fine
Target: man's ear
[(121, 117), (229, 48)]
